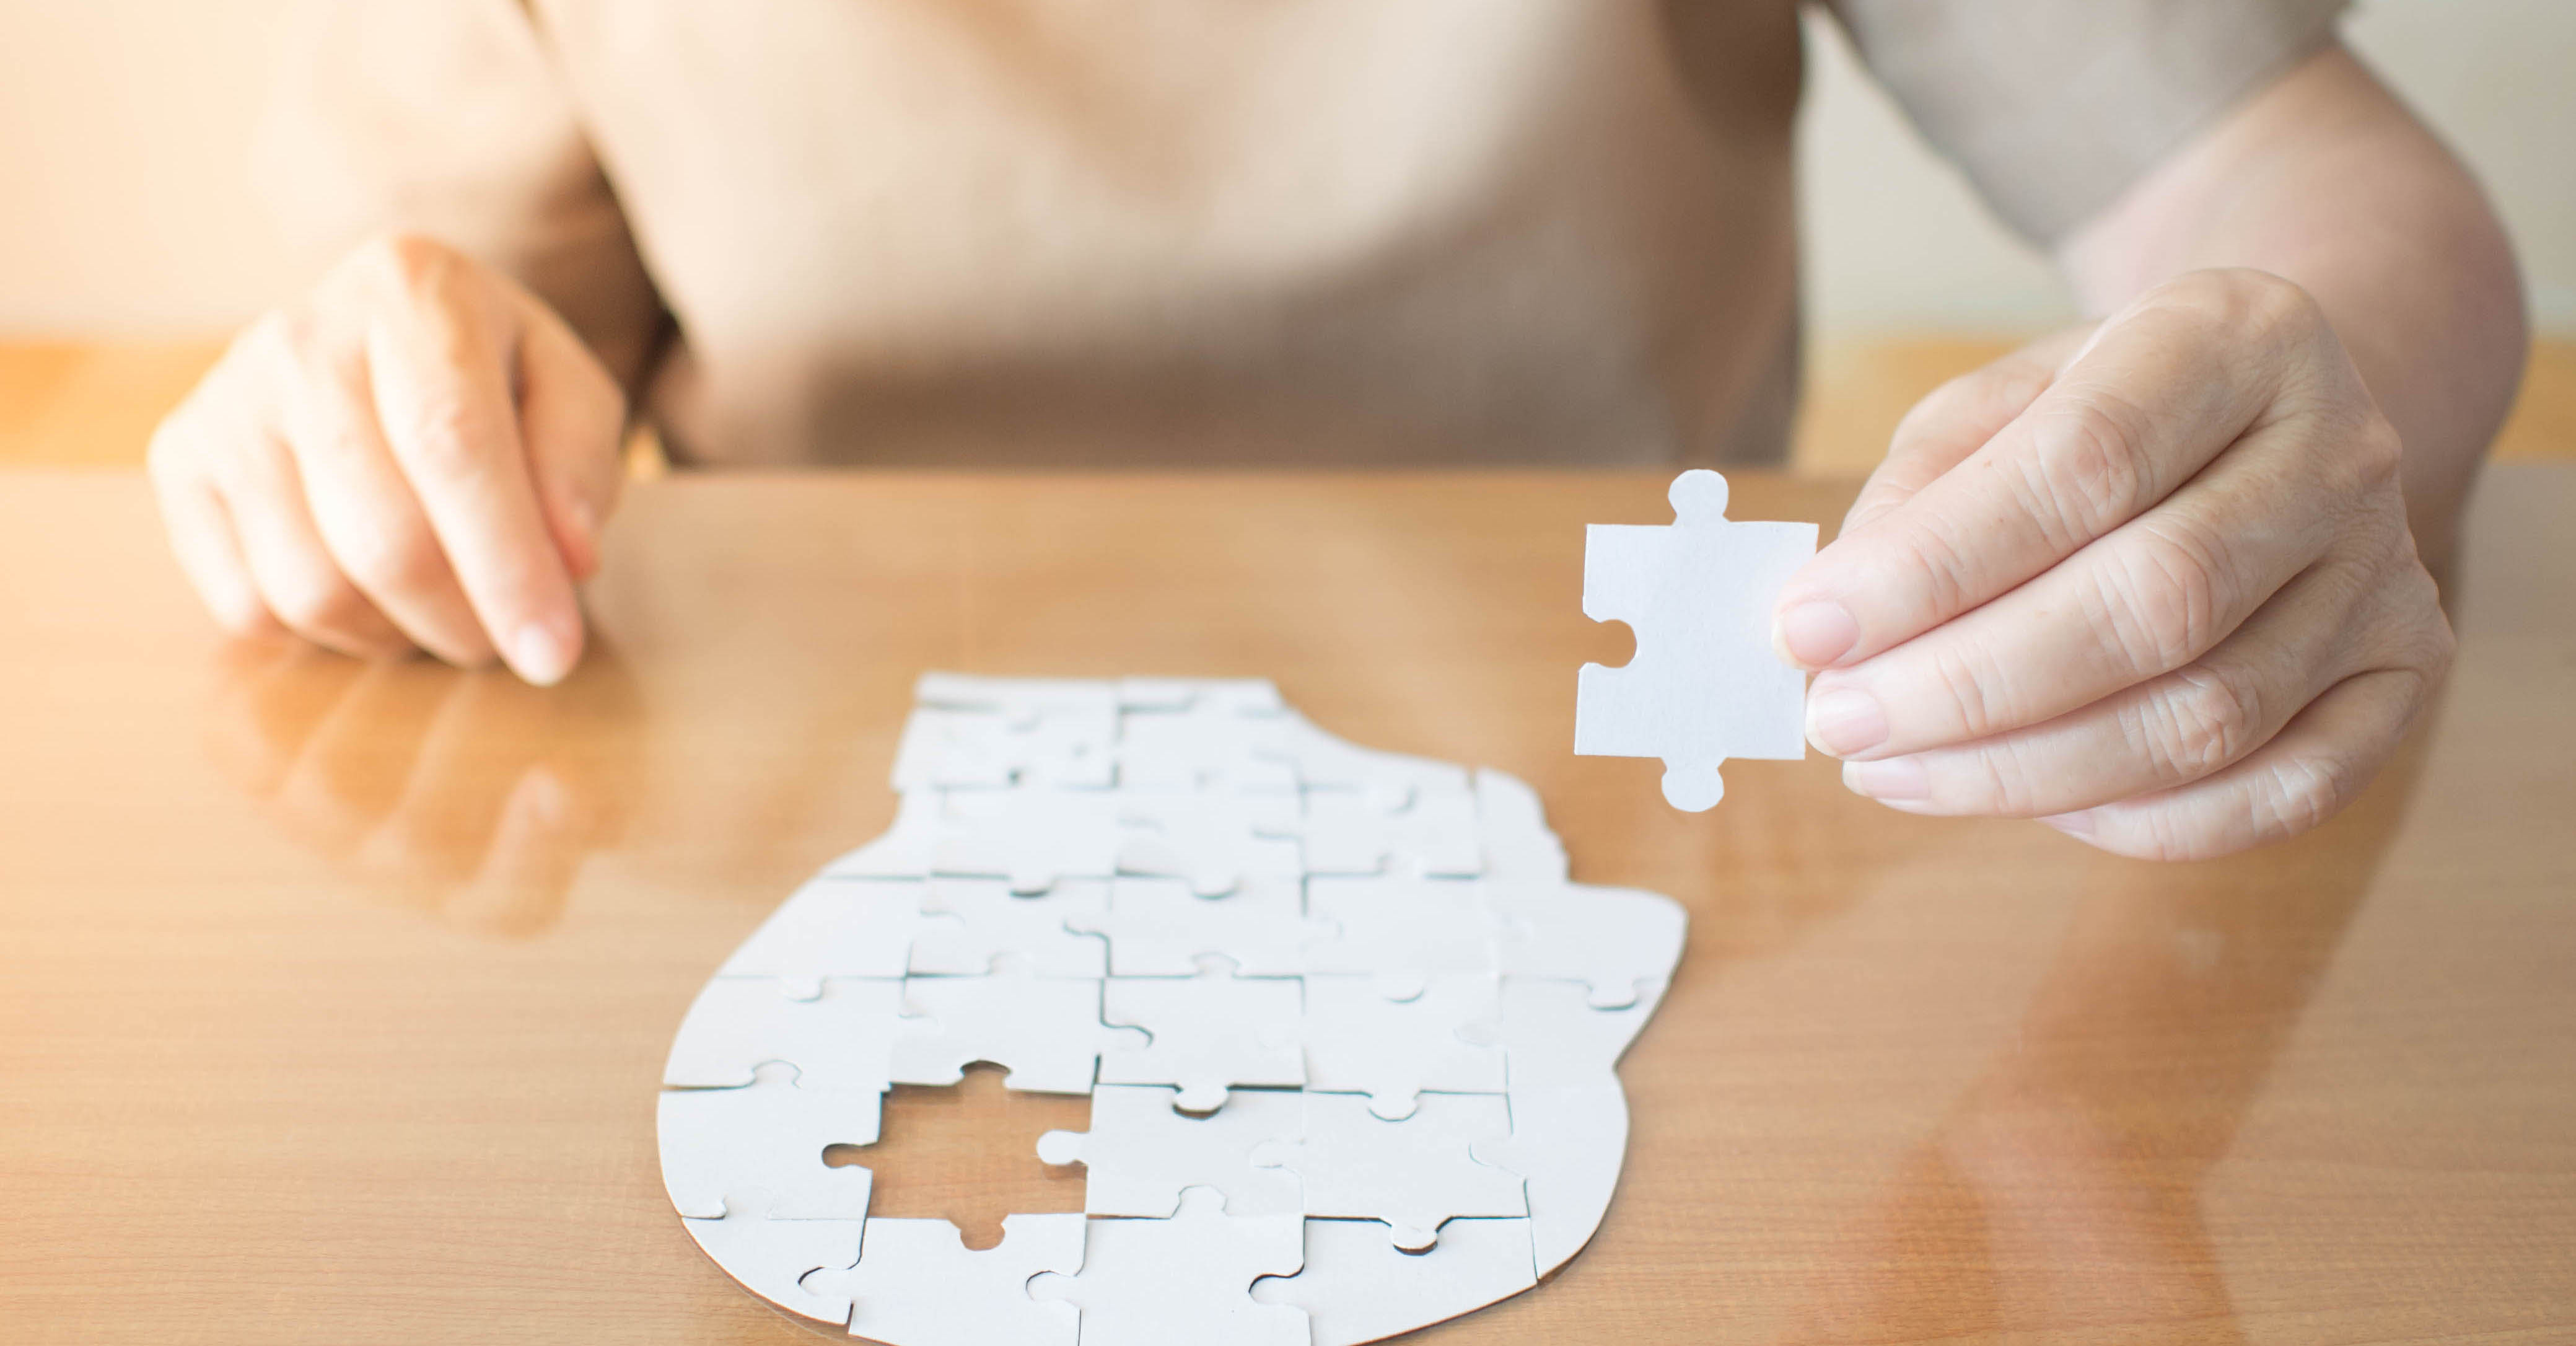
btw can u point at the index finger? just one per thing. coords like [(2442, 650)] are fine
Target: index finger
[(2160, 391), (439, 363)]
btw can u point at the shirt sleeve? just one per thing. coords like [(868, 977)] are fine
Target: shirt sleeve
[(2052, 107), (447, 118)]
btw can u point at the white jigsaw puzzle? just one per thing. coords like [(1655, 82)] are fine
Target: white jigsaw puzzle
[(1348, 1032), (1704, 684)]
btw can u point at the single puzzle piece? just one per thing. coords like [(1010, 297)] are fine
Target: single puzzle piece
[(835, 928), (969, 923), (1360, 1042), (840, 1040), (916, 1282), (991, 750), (1046, 1031), (1398, 932), (1023, 700), (905, 849), (1410, 832), (1614, 940), (1158, 927), (1207, 696), (1216, 842), (1551, 1034), (1205, 1034), (1323, 762), (1357, 1287), (768, 1136), (1185, 1281), (1217, 743), (1029, 836), (1512, 829), (1704, 684), (1140, 1152), (1413, 1175), (1566, 1143), (772, 1257)]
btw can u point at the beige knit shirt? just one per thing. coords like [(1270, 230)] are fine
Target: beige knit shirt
[(1307, 231)]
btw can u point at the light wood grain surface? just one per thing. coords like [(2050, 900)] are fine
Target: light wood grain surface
[(93, 404), (333, 997)]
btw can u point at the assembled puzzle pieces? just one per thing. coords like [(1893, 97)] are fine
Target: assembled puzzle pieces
[(1348, 1034), (1704, 684)]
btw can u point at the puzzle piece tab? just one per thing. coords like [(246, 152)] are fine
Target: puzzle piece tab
[(918, 1283), (1704, 684), (1185, 1281)]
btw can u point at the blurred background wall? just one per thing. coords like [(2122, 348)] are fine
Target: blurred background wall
[(129, 234), (124, 209)]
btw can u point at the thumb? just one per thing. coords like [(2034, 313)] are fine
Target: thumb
[(572, 417)]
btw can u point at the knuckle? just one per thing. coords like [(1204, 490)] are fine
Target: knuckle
[(404, 261), (2201, 720), (1972, 684), (2301, 792), (393, 558), (448, 437), (1941, 565), (2240, 301), (316, 605), (2089, 469), (2166, 598), (2004, 781)]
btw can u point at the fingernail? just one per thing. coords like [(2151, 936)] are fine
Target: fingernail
[(1844, 721), (542, 652), (1889, 781), (1817, 632), (2072, 824)]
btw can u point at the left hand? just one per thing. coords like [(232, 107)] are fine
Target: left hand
[(2159, 593)]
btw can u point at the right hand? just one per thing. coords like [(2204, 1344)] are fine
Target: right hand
[(418, 455)]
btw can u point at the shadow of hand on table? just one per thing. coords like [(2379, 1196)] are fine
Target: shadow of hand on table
[(465, 795), (2064, 1187)]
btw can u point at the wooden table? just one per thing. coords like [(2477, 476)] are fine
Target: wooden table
[(332, 997)]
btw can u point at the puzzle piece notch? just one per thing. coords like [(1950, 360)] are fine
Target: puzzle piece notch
[(1395, 1051), (1216, 842), (774, 1257), (1551, 1034), (768, 1136), (950, 749), (1358, 1287), (1206, 1034), (971, 926), (1414, 1175), (1141, 1152), (1399, 932), (1512, 830), (1412, 832), (916, 1282), (843, 1039), (1704, 685), (837, 928), (1567, 1143), (1613, 940), (1046, 1032), (1160, 927), (1185, 1281)]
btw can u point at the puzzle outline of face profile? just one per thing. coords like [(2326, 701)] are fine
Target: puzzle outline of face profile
[(1704, 684), (1370, 1083)]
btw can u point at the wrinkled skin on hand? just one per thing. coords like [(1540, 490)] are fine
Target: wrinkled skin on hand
[(2150, 582)]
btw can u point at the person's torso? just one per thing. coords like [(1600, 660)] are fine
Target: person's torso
[(1303, 230)]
